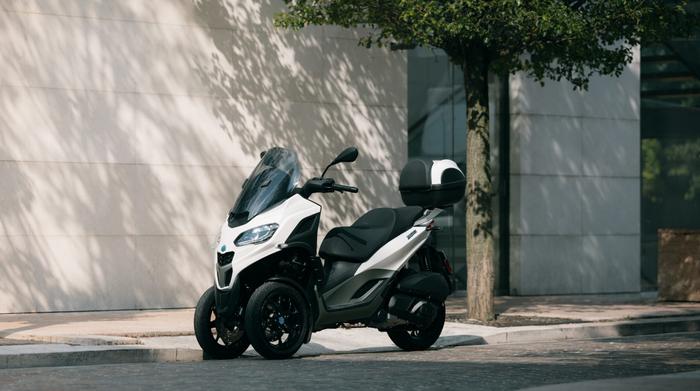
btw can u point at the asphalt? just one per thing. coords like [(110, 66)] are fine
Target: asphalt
[(610, 362), (675, 381)]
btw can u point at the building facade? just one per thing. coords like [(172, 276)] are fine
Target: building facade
[(127, 128), (566, 170)]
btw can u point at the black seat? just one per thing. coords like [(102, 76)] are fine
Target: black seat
[(365, 236), (405, 217)]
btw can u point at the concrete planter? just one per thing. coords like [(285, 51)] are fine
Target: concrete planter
[(679, 265)]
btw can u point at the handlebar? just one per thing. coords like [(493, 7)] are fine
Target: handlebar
[(341, 188), (324, 185)]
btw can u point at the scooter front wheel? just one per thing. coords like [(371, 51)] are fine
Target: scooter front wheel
[(218, 339), (276, 320)]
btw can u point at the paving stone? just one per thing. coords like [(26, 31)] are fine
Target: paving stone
[(486, 367)]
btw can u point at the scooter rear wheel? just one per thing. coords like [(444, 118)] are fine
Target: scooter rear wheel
[(214, 337), (408, 338), (276, 320)]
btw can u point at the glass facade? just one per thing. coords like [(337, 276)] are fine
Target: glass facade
[(437, 123), (436, 130), (670, 145), (670, 132)]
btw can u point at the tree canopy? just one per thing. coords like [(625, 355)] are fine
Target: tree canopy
[(552, 39)]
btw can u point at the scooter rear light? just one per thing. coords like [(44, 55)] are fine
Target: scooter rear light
[(431, 226), (447, 265)]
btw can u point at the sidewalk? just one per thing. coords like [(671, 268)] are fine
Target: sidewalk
[(81, 338), (576, 309)]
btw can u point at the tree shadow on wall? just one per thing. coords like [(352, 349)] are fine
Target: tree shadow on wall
[(127, 132), (109, 200), (314, 91)]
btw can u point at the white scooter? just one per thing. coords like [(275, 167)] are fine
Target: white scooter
[(273, 290)]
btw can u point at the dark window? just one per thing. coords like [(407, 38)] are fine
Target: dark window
[(670, 132), (437, 130)]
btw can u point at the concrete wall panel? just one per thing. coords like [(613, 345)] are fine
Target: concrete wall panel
[(545, 205), (544, 264), (545, 145), (610, 263), (610, 205), (575, 187), (610, 147), (127, 128), (13, 50), (575, 264), (209, 13), (606, 97)]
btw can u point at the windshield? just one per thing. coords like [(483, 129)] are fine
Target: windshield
[(273, 180)]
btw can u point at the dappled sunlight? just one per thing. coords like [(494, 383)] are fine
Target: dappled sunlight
[(575, 179), (315, 94), (127, 128)]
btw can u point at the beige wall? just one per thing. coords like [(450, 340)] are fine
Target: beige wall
[(575, 180), (127, 127)]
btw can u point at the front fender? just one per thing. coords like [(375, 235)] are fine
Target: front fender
[(228, 301)]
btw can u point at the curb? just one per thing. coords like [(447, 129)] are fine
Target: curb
[(88, 340), (122, 354), (97, 357), (596, 330)]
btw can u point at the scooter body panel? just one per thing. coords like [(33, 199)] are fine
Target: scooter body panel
[(395, 254), (287, 215), (343, 303)]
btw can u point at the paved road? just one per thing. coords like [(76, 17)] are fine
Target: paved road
[(497, 367)]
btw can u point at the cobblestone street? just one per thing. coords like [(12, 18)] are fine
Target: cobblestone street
[(498, 367)]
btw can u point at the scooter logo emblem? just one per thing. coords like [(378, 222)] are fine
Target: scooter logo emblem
[(410, 234)]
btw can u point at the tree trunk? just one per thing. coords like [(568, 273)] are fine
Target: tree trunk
[(479, 214)]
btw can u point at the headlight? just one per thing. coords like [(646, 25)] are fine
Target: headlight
[(256, 235)]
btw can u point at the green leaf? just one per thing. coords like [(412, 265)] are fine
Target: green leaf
[(571, 39)]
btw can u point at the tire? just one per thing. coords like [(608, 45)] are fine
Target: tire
[(216, 340), (411, 339), (275, 311)]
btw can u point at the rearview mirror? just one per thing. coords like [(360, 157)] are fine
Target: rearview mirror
[(348, 155)]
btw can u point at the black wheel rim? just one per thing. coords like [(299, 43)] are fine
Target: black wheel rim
[(415, 333), (225, 333), (281, 321)]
